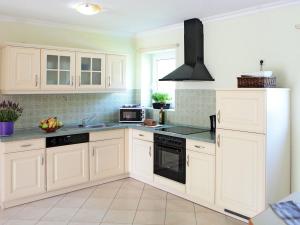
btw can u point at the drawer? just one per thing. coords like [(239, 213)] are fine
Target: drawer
[(107, 135), (24, 145), (241, 110), (142, 135), (202, 147)]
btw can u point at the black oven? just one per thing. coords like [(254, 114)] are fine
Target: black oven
[(169, 157)]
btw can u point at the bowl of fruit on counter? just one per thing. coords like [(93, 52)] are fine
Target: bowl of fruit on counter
[(51, 124)]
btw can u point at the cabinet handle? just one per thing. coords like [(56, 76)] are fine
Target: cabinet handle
[(42, 162), (198, 146), (25, 146), (150, 151), (141, 135), (188, 160), (218, 140), (36, 80), (72, 81), (219, 116), (93, 153), (109, 81), (79, 81)]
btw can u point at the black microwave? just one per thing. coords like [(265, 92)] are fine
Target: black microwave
[(132, 114)]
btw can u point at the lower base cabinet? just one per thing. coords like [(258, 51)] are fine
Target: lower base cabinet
[(200, 176), (142, 162), (67, 166), (24, 174), (107, 158)]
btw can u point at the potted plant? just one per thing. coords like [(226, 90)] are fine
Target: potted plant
[(160, 100), (9, 113)]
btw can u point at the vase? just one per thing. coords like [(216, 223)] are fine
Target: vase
[(6, 128), (158, 105)]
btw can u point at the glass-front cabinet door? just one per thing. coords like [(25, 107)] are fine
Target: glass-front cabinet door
[(90, 69), (58, 70)]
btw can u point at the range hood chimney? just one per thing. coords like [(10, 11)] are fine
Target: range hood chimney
[(193, 68)]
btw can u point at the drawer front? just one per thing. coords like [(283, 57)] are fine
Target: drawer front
[(24, 145), (107, 135), (142, 135), (201, 147), (241, 110)]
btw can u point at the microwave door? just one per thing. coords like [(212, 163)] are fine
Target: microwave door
[(130, 115)]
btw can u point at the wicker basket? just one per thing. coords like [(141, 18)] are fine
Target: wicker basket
[(256, 82)]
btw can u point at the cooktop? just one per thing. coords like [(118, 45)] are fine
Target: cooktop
[(183, 130)]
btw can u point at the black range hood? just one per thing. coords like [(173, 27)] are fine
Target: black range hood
[(193, 68)]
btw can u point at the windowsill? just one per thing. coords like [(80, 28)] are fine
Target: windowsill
[(171, 109)]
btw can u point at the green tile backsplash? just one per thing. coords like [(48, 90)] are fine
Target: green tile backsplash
[(192, 107), (71, 108)]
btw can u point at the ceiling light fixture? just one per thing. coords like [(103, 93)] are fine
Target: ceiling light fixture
[(87, 8)]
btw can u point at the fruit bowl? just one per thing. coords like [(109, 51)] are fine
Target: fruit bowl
[(50, 125)]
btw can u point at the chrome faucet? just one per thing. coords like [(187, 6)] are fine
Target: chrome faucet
[(85, 120)]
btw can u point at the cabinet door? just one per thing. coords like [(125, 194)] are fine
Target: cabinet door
[(24, 174), (90, 71), (106, 158), (143, 159), (241, 110), (67, 166), (24, 67), (240, 172), (116, 72), (58, 70), (200, 176)]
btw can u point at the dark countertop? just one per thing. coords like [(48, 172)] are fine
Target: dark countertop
[(34, 133)]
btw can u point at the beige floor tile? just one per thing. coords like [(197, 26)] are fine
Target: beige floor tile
[(70, 202), (180, 206), (3, 221), (154, 194), (45, 203), (149, 217), (114, 185), (152, 204), (10, 212), (83, 193), (232, 221), (83, 223), (119, 216), (202, 209), (128, 193), (125, 204), (173, 197), (181, 218), (88, 215), (97, 203), (115, 223), (211, 218), (104, 193), (31, 213), (21, 222), (60, 214), (51, 223), (131, 183)]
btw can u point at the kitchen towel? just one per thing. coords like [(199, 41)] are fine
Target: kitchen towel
[(288, 211)]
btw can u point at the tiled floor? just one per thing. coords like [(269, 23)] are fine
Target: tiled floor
[(121, 202)]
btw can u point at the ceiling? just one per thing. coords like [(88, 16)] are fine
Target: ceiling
[(126, 16)]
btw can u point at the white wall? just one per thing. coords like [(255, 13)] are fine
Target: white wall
[(235, 45)]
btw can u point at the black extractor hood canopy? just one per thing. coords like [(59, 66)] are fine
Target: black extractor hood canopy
[(193, 68)]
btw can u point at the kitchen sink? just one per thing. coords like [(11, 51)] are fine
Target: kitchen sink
[(100, 125)]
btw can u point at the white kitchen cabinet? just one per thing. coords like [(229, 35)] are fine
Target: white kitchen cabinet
[(90, 69), (253, 147), (240, 171), (67, 166), (116, 72), (142, 162), (200, 177), (23, 174), (107, 159), (242, 110), (57, 70), (20, 69)]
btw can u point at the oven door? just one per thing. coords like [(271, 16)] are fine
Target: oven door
[(131, 115), (169, 162)]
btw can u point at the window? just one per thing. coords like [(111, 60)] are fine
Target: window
[(156, 65)]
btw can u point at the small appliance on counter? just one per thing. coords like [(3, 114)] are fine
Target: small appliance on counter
[(132, 113)]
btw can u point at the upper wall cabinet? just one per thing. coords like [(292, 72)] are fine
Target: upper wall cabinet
[(20, 68), (116, 72), (58, 70), (90, 69)]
